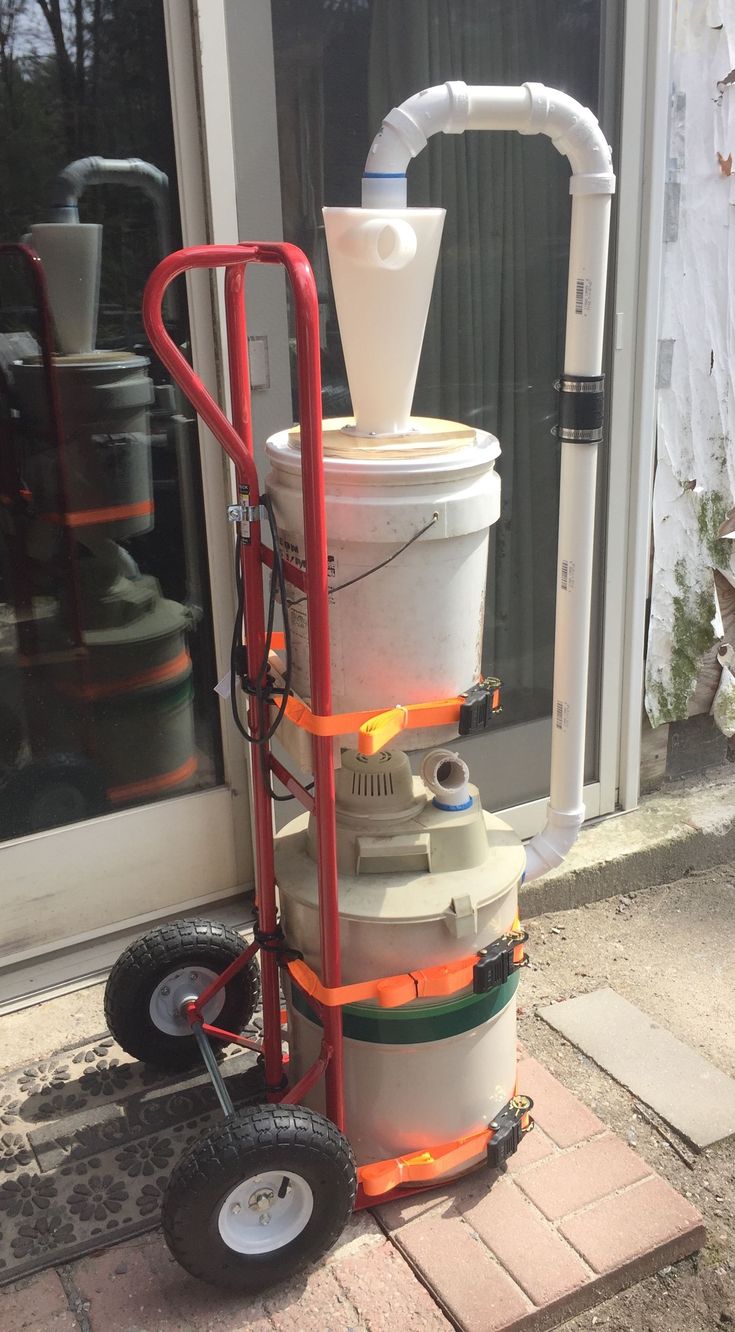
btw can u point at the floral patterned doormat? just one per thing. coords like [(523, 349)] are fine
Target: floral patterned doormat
[(88, 1139)]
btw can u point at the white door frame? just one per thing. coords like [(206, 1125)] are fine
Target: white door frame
[(99, 878), (651, 133), (634, 302)]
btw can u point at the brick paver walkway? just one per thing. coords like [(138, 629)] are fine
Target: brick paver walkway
[(576, 1217)]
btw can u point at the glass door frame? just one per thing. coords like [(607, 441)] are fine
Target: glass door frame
[(76, 892)]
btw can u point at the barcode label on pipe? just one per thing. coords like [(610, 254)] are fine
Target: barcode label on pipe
[(582, 296), (567, 575), (562, 715)]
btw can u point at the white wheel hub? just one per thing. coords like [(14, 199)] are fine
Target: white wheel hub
[(265, 1212), (168, 1002)]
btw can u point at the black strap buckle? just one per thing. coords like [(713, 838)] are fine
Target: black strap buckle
[(497, 963), (508, 1128), (481, 703)]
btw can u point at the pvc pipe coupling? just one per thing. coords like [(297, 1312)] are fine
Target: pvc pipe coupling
[(445, 775)]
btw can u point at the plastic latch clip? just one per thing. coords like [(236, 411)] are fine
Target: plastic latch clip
[(508, 1128), (498, 961), (480, 704)]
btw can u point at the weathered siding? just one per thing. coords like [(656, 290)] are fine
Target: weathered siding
[(695, 475)]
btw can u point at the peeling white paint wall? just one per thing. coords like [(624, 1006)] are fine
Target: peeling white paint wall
[(695, 476)]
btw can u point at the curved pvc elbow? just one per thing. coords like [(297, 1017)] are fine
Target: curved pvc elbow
[(405, 131), (549, 848), (576, 134), (452, 108), (446, 777)]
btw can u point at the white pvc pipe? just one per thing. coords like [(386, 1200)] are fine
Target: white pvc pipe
[(446, 775), (574, 131), (452, 108)]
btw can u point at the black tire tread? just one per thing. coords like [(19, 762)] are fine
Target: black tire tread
[(218, 1155), (148, 958)]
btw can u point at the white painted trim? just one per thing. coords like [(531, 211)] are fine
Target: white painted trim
[(623, 312), (199, 80), (70, 884), (84, 964), (104, 932), (655, 78), (641, 177)]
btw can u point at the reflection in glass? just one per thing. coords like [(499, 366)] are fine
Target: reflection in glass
[(106, 661)]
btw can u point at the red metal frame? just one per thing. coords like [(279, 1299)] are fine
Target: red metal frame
[(405, 1174), (236, 439)]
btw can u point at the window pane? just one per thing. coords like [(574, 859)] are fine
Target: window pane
[(106, 654)]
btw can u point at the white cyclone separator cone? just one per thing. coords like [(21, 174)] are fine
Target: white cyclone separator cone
[(382, 264)]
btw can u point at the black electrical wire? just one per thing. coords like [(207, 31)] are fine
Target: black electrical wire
[(358, 579), (259, 685)]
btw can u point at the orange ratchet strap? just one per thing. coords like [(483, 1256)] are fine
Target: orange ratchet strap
[(393, 991), (424, 1167), (375, 730), (421, 1167)]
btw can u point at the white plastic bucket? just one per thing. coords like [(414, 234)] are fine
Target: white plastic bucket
[(410, 632), (402, 1096)]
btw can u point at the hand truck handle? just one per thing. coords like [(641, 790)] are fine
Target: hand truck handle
[(236, 438)]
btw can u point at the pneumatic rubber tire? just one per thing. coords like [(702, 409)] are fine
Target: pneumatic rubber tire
[(211, 1218), (164, 952)]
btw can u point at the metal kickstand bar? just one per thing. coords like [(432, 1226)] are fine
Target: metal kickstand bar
[(213, 1069)]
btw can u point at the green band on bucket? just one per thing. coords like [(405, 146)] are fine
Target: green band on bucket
[(413, 1025)]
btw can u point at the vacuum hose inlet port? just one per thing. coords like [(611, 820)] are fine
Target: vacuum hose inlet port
[(381, 243), (446, 776)]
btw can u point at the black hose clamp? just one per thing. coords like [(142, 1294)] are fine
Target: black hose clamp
[(581, 408)]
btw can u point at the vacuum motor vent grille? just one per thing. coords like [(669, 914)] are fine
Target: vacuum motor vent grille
[(372, 784), (382, 780)]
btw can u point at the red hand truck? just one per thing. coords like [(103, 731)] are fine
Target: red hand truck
[(271, 1189)]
